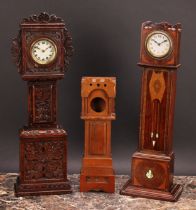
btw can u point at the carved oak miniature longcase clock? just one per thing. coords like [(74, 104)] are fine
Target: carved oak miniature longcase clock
[(153, 163), (42, 51), (98, 94)]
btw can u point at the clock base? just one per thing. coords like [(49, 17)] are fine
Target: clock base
[(43, 162), (97, 183), (42, 188), (172, 195), (97, 179), (97, 174)]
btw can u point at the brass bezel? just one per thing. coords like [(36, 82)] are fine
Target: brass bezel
[(55, 49), (170, 41)]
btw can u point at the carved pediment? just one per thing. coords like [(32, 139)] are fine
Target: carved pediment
[(43, 17)]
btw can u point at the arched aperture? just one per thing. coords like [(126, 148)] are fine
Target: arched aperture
[(98, 104)]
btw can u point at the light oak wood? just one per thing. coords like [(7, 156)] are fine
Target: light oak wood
[(98, 94)]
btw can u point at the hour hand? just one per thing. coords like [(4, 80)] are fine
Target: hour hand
[(37, 47), (47, 48)]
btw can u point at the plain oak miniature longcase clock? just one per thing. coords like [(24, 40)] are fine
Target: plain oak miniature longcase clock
[(153, 163), (41, 52), (98, 94)]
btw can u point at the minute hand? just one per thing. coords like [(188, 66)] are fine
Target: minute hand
[(163, 42), (155, 41)]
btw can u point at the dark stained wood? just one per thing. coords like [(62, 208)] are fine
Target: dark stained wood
[(33, 28), (42, 103), (153, 164), (43, 143), (98, 94)]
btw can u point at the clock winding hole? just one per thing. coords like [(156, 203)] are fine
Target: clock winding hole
[(98, 104)]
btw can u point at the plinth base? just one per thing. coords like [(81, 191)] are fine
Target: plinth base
[(42, 188), (97, 179), (43, 162), (135, 191)]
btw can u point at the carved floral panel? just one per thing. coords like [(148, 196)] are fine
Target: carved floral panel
[(43, 160)]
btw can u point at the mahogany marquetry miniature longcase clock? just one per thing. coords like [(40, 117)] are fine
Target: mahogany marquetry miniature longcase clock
[(153, 163), (41, 52), (98, 94)]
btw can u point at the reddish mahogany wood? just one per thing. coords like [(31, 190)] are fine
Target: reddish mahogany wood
[(43, 144), (153, 164), (174, 32), (98, 94)]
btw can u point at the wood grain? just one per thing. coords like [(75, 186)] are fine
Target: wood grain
[(43, 143), (153, 163), (98, 94)]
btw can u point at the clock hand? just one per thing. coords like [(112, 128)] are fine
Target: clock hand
[(36, 48), (163, 41), (50, 51), (155, 42), (44, 50), (47, 48)]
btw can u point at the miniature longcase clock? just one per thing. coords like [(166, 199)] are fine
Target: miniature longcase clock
[(98, 94), (153, 163), (42, 52)]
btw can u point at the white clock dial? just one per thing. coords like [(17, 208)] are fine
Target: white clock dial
[(158, 44), (43, 51)]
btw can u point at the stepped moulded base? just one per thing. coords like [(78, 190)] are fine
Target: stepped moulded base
[(42, 188), (172, 195)]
